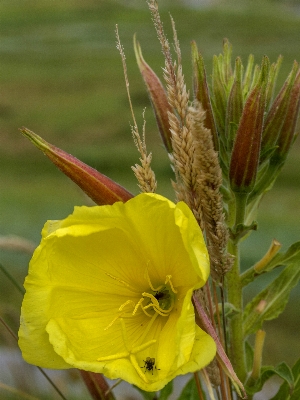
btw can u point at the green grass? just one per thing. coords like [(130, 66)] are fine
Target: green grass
[(61, 76)]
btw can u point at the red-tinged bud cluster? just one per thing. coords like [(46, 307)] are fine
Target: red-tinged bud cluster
[(254, 132)]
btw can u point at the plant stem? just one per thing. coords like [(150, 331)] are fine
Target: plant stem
[(241, 202), (234, 294)]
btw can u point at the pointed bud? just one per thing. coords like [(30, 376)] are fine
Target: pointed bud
[(97, 186), (246, 149), (289, 128), (157, 96), (276, 115), (201, 93)]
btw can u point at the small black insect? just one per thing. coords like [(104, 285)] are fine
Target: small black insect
[(149, 364)]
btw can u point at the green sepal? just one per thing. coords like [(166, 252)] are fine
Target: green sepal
[(285, 390), (282, 370), (248, 75), (271, 302), (273, 74), (190, 391)]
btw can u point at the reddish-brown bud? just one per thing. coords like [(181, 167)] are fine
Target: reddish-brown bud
[(277, 115), (157, 96), (289, 127), (246, 149), (97, 186)]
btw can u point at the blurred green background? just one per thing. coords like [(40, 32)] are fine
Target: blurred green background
[(61, 76)]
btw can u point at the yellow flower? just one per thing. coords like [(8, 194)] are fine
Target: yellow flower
[(109, 290)]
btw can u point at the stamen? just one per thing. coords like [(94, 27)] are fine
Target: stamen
[(158, 310), (137, 368), (113, 321), (144, 309), (123, 283), (154, 300), (149, 281), (139, 303), (168, 280), (125, 304), (143, 346), (114, 356)]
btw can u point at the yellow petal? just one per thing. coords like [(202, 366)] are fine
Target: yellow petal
[(94, 288)]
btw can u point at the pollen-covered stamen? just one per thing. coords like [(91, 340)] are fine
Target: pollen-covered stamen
[(157, 306), (168, 280)]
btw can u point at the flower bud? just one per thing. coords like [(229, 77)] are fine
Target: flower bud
[(246, 149), (97, 186), (277, 114), (288, 131), (157, 96)]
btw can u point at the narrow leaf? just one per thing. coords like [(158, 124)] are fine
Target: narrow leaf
[(282, 370), (285, 391)]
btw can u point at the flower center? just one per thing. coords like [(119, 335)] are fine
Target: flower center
[(154, 302)]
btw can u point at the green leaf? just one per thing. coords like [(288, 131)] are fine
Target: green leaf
[(190, 391), (285, 391), (271, 301), (282, 370), (166, 391), (249, 355)]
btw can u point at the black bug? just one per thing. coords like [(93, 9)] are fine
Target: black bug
[(149, 364)]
